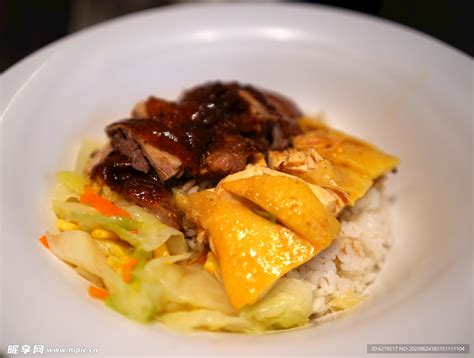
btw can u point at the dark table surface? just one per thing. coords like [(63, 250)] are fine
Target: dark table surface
[(27, 25)]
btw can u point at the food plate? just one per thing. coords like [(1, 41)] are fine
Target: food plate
[(397, 88)]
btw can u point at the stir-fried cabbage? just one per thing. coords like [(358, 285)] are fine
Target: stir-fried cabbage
[(71, 180), (89, 218), (289, 304), (184, 287), (209, 320), (87, 147), (154, 233), (131, 299), (186, 297), (67, 186), (78, 248)]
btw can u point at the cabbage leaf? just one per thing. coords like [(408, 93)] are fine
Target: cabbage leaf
[(288, 304), (208, 320), (78, 248), (185, 297), (183, 287), (154, 233)]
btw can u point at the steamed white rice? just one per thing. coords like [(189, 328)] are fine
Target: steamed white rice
[(352, 262)]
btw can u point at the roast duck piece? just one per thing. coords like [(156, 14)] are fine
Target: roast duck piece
[(212, 131)]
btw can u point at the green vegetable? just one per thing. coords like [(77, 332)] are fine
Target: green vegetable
[(209, 320), (110, 195), (78, 248), (288, 304), (62, 192), (184, 297), (73, 181), (154, 233), (129, 299), (183, 287), (122, 233), (89, 218), (87, 147), (173, 259), (177, 245), (65, 210)]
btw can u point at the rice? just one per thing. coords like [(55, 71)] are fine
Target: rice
[(347, 267)]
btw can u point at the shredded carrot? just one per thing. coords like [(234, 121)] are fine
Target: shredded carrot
[(98, 293), (104, 206), (44, 241), (90, 190), (127, 268), (135, 231)]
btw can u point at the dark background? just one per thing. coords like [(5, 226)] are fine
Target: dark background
[(27, 25)]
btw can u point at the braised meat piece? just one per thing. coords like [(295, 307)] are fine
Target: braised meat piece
[(145, 190), (189, 136), (209, 133), (283, 105), (243, 110), (155, 142), (121, 140), (227, 155), (145, 143)]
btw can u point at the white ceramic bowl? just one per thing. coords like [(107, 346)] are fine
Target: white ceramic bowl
[(401, 90)]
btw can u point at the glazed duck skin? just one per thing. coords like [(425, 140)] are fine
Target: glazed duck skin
[(188, 136)]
